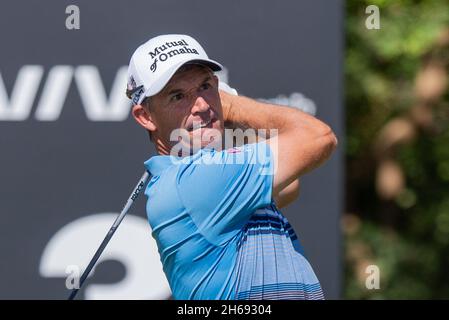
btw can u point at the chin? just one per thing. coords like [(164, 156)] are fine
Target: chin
[(218, 125)]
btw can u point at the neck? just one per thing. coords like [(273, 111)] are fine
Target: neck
[(161, 148)]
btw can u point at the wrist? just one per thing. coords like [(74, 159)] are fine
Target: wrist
[(227, 106)]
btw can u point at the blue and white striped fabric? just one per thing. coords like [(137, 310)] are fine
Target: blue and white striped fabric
[(218, 232), (270, 263)]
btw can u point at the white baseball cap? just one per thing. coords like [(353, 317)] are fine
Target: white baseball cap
[(156, 61)]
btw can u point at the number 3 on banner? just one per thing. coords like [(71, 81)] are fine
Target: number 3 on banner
[(74, 245)]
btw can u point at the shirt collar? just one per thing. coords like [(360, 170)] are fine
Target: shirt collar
[(157, 164)]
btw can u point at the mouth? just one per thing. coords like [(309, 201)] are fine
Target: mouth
[(200, 125)]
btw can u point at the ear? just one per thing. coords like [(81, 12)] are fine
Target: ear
[(143, 117)]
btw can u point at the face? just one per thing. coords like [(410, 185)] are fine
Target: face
[(188, 106)]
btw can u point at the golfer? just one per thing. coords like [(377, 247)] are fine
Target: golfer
[(214, 208)]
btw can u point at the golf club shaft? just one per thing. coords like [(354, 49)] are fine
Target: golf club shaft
[(140, 185)]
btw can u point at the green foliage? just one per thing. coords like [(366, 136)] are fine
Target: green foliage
[(408, 236)]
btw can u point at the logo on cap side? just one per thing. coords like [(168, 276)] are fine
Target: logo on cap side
[(133, 91), (136, 95), (158, 53), (131, 83)]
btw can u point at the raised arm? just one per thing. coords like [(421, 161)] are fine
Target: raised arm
[(303, 141)]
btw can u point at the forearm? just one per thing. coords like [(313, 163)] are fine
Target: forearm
[(243, 112)]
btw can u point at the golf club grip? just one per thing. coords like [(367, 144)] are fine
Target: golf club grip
[(94, 260)]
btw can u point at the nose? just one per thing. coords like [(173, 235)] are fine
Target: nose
[(200, 105)]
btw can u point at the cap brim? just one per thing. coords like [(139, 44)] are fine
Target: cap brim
[(167, 75)]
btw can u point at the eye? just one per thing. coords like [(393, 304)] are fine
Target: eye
[(206, 86), (177, 97)]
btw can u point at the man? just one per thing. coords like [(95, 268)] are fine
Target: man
[(214, 210)]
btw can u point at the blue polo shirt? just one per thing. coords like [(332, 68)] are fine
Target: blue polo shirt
[(215, 225)]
